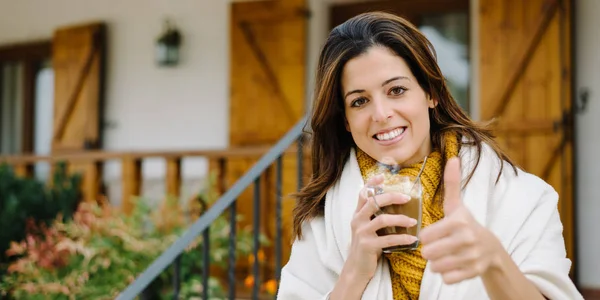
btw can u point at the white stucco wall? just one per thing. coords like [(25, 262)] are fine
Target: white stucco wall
[(137, 90), (147, 107), (587, 73)]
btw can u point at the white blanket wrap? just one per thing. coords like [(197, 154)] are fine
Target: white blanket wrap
[(520, 210)]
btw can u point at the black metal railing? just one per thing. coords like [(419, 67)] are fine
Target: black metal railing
[(172, 256)]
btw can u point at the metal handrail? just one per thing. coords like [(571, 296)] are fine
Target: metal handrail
[(204, 222)]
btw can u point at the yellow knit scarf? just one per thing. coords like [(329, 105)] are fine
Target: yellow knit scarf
[(407, 266)]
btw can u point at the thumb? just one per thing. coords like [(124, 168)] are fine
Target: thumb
[(452, 179)]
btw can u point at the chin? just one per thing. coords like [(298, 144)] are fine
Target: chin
[(398, 156)]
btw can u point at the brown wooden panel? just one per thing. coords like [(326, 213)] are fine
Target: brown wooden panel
[(267, 70), (77, 57), (520, 51), (525, 73)]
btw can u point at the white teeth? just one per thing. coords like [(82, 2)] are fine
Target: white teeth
[(390, 135)]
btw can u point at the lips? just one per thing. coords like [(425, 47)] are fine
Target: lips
[(390, 134)]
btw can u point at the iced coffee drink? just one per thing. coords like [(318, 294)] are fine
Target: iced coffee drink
[(413, 209)]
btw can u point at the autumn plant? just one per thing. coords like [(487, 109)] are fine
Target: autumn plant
[(269, 286), (100, 251), (26, 200)]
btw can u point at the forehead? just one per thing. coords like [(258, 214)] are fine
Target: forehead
[(372, 68)]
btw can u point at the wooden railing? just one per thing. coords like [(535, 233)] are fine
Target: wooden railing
[(253, 182), (90, 164)]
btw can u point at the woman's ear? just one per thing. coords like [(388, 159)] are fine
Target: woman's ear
[(432, 103), (346, 125)]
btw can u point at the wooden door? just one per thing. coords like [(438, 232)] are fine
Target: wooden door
[(525, 75), (267, 44), (267, 98), (78, 61)]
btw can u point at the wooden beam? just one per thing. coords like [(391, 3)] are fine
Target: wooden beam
[(86, 156), (92, 181), (173, 177), (38, 50), (222, 181), (520, 62), (131, 182), (29, 75)]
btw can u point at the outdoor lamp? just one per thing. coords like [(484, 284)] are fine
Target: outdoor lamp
[(167, 46)]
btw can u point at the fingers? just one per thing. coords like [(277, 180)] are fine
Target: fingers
[(374, 203), (458, 275), (394, 240), (363, 196), (452, 178), (436, 231), (441, 248), (389, 220)]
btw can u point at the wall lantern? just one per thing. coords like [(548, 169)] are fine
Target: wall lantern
[(167, 46)]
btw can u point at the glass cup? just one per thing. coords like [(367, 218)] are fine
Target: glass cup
[(412, 187)]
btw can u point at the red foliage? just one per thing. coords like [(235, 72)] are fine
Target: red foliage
[(40, 248)]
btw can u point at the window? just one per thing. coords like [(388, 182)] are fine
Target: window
[(446, 25), (25, 98), (449, 34)]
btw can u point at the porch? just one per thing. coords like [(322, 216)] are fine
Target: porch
[(114, 105)]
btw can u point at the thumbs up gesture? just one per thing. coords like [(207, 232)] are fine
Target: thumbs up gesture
[(457, 246)]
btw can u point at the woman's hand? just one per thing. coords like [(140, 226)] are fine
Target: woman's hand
[(458, 247), (366, 246)]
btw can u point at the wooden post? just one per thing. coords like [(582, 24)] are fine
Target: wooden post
[(131, 182), (22, 170), (173, 176), (92, 179)]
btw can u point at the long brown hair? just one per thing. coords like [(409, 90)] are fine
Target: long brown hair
[(331, 142)]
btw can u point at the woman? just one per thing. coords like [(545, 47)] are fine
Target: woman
[(380, 96)]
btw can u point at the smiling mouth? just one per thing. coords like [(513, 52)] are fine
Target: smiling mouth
[(390, 135)]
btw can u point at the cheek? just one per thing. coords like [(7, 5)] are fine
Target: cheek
[(356, 123), (420, 122)]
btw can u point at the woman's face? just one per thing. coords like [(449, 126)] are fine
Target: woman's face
[(386, 109)]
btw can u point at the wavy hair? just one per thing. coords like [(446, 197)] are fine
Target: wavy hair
[(331, 143)]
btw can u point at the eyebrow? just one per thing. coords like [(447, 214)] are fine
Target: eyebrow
[(383, 84)]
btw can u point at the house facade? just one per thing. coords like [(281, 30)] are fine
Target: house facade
[(532, 64)]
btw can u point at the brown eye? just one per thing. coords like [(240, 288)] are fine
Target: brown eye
[(397, 91), (358, 102)]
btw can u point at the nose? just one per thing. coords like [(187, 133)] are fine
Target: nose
[(381, 111)]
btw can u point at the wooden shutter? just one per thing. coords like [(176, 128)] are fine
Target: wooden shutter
[(525, 59), (267, 97), (267, 46), (77, 60)]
